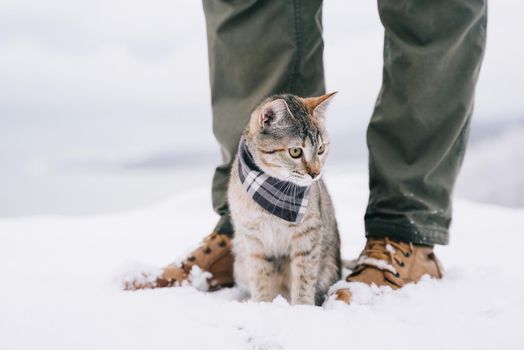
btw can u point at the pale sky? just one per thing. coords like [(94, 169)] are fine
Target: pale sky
[(90, 83)]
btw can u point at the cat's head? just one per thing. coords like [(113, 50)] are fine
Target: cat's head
[(287, 137)]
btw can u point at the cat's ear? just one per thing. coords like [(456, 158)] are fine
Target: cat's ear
[(317, 105), (272, 112)]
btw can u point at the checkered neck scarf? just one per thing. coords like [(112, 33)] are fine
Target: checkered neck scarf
[(284, 199)]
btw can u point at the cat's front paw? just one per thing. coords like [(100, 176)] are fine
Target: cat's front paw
[(303, 300), (263, 298)]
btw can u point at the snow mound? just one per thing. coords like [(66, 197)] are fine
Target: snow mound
[(137, 272), (199, 278)]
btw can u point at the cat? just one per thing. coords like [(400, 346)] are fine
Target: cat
[(286, 238)]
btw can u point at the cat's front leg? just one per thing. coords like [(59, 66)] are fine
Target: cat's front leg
[(260, 271), (304, 271), (263, 286)]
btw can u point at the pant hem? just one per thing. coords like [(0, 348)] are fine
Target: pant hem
[(225, 226), (407, 233)]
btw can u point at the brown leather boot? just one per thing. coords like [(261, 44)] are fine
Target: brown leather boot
[(386, 262), (214, 255)]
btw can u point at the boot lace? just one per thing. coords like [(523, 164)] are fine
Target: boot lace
[(383, 254)]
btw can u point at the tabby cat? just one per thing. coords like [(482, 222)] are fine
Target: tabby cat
[(286, 238)]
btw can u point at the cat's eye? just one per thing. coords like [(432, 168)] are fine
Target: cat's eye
[(321, 149), (295, 152)]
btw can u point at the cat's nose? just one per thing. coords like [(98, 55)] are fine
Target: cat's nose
[(313, 174)]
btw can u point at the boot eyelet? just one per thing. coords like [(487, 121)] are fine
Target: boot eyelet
[(397, 275), (207, 250), (222, 244), (407, 255), (401, 264), (191, 258)]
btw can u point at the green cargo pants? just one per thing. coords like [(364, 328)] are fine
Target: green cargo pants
[(418, 132)]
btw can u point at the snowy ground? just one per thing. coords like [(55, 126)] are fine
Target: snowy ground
[(60, 286)]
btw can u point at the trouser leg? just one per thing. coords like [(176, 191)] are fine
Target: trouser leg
[(418, 132), (257, 48)]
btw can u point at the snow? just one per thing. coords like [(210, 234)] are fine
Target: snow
[(60, 286), (361, 294), (199, 278), (381, 264), (390, 248), (139, 273)]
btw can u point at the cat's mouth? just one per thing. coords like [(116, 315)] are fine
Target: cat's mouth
[(302, 179)]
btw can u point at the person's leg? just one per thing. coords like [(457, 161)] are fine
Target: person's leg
[(417, 135), (256, 49)]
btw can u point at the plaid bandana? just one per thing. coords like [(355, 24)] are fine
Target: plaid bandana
[(284, 199)]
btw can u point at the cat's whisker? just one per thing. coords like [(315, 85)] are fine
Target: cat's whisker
[(295, 188), (281, 198), (278, 199), (290, 186), (283, 192)]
